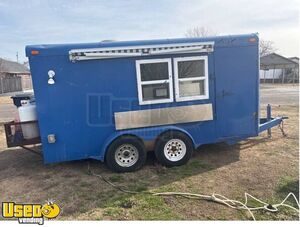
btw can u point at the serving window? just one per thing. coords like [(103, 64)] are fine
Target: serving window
[(155, 80)]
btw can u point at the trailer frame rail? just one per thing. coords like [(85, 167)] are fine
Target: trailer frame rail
[(14, 134)]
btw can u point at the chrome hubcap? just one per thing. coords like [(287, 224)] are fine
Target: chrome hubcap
[(174, 150), (126, 155)]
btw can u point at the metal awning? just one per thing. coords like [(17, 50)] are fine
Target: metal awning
[(135, 51)]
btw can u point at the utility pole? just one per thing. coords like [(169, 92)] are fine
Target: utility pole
[(17, 55)]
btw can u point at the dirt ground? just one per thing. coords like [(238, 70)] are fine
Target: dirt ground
[(264, 167), (5, 100)]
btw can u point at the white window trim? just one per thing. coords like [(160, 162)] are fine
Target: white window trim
[(140, 82), (205, 78)]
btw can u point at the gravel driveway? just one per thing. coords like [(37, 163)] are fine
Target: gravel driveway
[(279, 94)]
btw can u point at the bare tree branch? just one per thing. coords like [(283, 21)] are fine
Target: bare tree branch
[(266, 47), (200, 32)]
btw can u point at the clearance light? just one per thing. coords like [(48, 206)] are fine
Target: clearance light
[(35, 52), (252, 40)]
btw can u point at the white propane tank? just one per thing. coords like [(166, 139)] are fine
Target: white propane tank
[(27, 112)]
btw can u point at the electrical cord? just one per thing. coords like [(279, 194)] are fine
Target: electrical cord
[(280, 126), (90, 172), (217, 198)]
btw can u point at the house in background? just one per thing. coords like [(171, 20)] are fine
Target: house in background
[(275, 68), (295, 59), (14, 77)]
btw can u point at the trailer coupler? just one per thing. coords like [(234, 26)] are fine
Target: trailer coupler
[(270, 122)]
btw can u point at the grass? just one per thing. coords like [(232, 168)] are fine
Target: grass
[(287, 185), (112, 212), (193, 167), (149, 207), (116, 178), (141, 207)]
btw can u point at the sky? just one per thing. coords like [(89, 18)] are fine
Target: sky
[(24, 22)]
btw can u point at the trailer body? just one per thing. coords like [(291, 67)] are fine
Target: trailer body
[(100, 91)]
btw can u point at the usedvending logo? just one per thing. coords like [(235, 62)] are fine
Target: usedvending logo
[(30, 213)]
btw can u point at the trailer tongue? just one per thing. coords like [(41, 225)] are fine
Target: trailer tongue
[(270, 122)]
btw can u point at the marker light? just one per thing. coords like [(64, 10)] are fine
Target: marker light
[(35, 52), (252, 40)]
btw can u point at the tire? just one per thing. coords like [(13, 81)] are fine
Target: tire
[(126, 154), (173, 148)]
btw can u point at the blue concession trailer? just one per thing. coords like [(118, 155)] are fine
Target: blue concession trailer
[(109, 100)]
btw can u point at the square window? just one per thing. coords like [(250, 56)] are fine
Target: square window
[(154, 77), (191, 78)]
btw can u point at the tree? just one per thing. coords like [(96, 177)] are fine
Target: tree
[(200, 32), (266, 47)]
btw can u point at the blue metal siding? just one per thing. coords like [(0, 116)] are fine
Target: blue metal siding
[(79, 107)]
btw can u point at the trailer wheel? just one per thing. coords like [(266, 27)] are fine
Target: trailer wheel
[(173, 148), (126, 154)]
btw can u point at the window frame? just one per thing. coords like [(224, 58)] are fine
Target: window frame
[(177, 79), (140, 83)]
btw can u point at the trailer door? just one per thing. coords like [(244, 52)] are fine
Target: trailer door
[(236, 72)]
